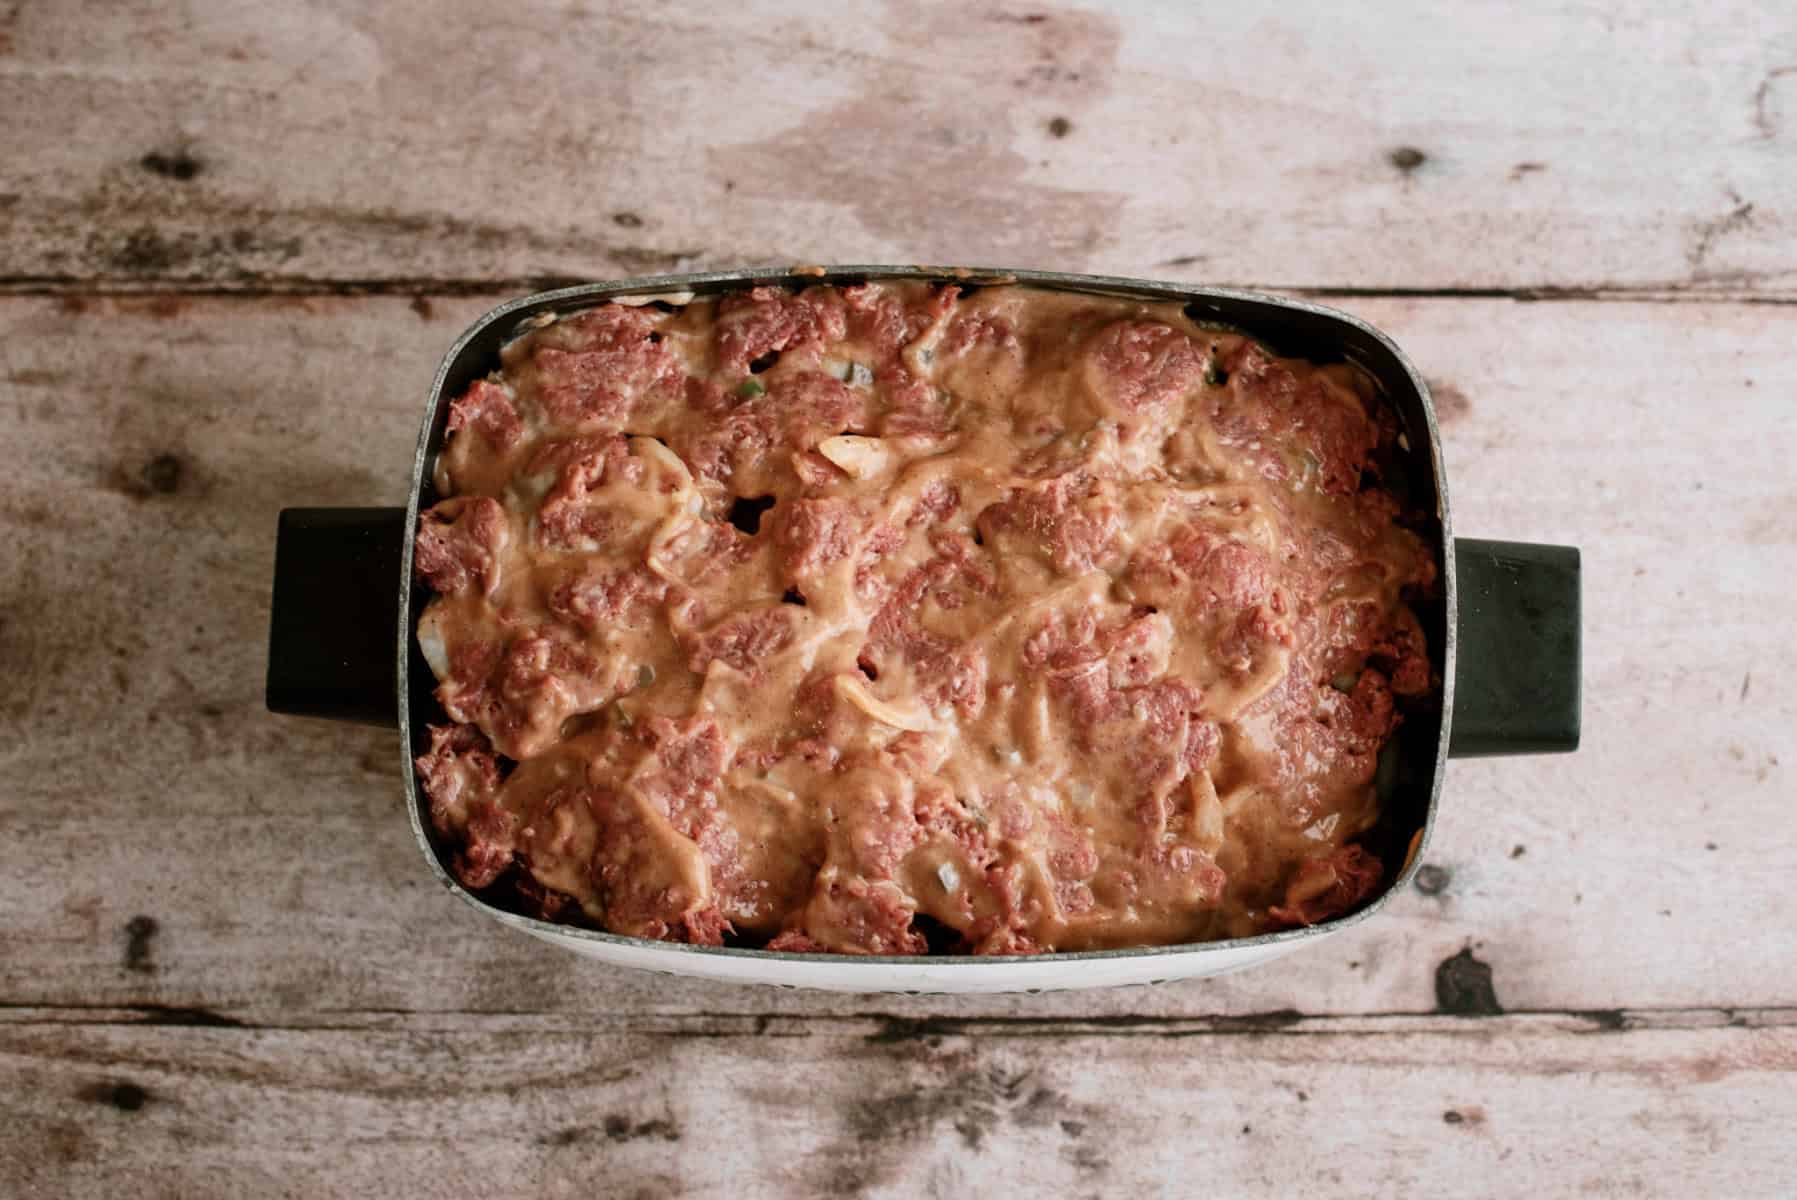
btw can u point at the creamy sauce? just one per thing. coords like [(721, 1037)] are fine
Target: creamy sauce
[(1062, 621)]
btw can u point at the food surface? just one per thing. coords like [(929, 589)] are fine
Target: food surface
[(886, 619)]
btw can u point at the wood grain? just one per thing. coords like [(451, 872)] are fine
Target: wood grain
[(237, 241), (728, 1108), (269, 870), (1558, 145)]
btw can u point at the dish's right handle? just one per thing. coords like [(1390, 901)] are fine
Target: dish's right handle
[(1516, 684)]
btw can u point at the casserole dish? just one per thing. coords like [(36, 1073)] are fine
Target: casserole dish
[(1503, 633)]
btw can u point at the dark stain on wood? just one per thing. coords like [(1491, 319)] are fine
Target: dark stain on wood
[(1470, 1114), (571, 1136), (179, 165), (930, 1031), (1060, 127), (1463, 987), (620, 1128), (162, 474), (1043, 1106), (1406, 158), (1763, 119), (140, 936), (147, 250), (67, 1142), (121, 1094), (1706, 234), (1432, 880), (627, 220), (181, 1015), (1606, 1020), (1451, 404), (1526, 168), (1518, 850), (1746, 683), (967, 1104), (422, 306)]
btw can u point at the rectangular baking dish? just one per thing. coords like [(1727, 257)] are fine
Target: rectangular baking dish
[(1504, 636)]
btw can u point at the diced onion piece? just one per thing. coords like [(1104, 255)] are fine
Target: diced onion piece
[(850, 688), (675, 298), (652, 450), (951, 878), (430, 641), (1324, 829), (861, 457)]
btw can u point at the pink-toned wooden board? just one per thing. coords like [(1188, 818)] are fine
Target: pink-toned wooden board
[(224, 971), (146, 780), (733, 1106), (1560, 145)]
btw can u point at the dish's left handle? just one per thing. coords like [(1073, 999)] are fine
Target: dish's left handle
[(331, 649)]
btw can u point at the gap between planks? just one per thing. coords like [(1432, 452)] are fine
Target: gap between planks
[(289, 287), (878, 1027)]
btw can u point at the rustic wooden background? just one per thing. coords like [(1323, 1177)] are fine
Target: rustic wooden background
[(235, 239)]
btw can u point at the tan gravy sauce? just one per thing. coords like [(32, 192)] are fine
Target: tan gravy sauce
[(1059, 623)]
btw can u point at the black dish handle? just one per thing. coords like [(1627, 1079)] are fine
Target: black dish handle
[(335, 617), (1516, 685)]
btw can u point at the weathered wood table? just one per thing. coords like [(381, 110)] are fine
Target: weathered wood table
[(236, 239)]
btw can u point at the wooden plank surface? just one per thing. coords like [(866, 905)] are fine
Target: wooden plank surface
[(237, 241), (466, 1107), (1554, 144), (270, 868)]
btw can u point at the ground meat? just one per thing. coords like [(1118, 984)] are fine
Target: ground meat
[(519, 696), (767, 320), (1139, 365), (487, 845), (460, 543), (1276, 403), (610, 361), (882, 323), (1328, 887), (643, 895), (680, 777), (855, 916), (948, 674), (600, 598), (457, 772), (569, 519), (913, 406), (487, 409), (743, 641), (1071, 520), (813, 535), (1092, 630), (976, 331)]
